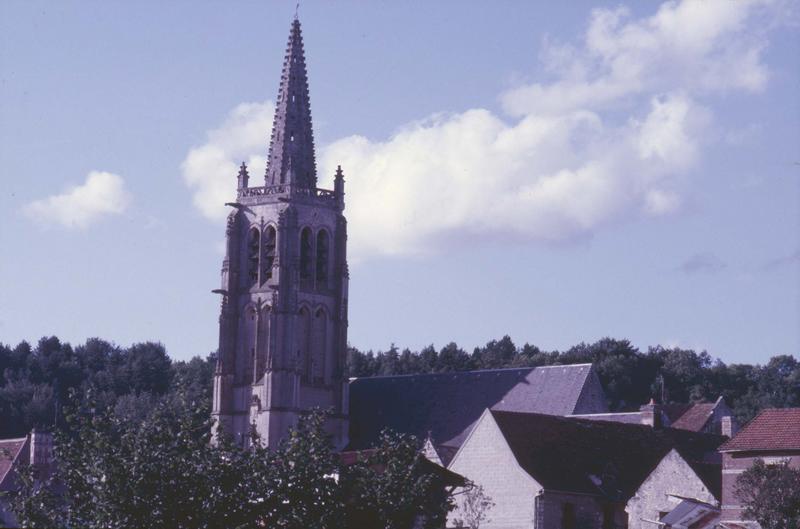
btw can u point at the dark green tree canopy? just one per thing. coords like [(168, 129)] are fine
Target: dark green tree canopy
[(771, 495)]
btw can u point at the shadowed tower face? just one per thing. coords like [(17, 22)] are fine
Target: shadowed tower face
[(283, 321)]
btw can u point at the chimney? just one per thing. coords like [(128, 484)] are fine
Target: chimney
[(728, 426), (41, 447), (651, 414)]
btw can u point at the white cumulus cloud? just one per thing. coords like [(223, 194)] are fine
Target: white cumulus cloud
[(210, 169), (703, 47), (612, 135), (100, 195)]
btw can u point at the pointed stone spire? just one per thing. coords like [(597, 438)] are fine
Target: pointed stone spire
[(291, 146)]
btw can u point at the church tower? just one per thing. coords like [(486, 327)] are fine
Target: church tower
[(283, 321)]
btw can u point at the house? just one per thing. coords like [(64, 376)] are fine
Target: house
[(700, 417), (708, 417), (543, 471), (441, 408), (35, 449), (772, 436), (677, 493)]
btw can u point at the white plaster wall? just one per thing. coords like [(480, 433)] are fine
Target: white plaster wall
[(672, 476), (485, 459)]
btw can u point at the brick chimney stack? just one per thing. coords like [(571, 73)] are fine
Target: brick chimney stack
[(728, 426), (651, 414), (41, 447)]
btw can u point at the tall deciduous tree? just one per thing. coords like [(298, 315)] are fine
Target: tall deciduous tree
[(771, 495)]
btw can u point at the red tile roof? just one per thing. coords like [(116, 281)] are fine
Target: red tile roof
[(674, 410), (772, 429), (9, 449), (696, 417)]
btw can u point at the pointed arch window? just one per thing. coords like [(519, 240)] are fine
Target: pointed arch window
[(305, 254), (323, 250), (303, 349), (253, 247), (319, 346), (268, 259)]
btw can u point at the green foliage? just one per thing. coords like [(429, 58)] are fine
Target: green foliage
[(474, 508), (35, 381), (771, 495), (34, 501), (161, 471), (391, 488)]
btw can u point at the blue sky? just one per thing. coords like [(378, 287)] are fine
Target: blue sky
[(555, 172)]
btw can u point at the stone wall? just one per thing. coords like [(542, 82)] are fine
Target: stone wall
[(557, 510), (672, 476), (486, 459)]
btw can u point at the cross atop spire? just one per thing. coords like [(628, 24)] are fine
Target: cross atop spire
[(291, 146)]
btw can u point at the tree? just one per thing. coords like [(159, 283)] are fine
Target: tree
[(125, 467), (474, 508), (495, 354), (453, 358), (34, 502), (770, 495), (626, 374), (393, 487)]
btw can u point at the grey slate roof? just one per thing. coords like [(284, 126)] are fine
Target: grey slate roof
[(446, 405)]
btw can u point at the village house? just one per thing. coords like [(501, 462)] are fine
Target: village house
[(548, 472), (35, 449), (773, 436), (708, 417), (676, 494)]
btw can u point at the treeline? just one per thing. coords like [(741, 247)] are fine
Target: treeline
[(36, 382), (630, 377)]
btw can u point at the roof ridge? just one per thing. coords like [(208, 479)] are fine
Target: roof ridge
[(581, 415), (14, 439), (493, 370)]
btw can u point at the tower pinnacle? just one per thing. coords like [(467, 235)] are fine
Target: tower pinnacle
[(291, 147)]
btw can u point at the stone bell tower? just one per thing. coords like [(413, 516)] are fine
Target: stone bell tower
[(283, 321)]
